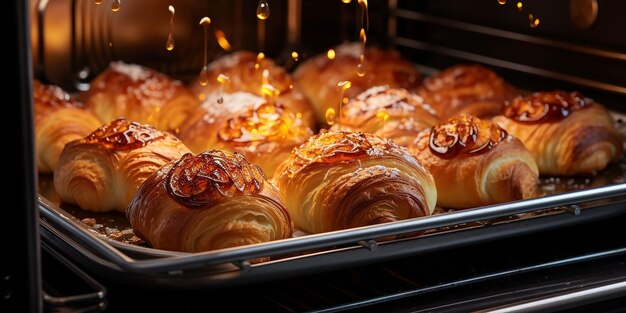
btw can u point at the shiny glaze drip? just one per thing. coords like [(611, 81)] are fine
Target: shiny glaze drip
[(122, 134), (545, 106), (197, 181), (266, 122), (464, 133), (333, 147)]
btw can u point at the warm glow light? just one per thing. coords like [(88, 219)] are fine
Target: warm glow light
[(330, 54), (222, 41)]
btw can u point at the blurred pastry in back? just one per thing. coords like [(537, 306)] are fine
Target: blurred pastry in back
[(139, 94), (249, 72), (466, 88), (263, 131), (318, 76), (392, 113), (59, 119)]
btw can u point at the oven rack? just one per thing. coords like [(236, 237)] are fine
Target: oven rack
[(332, 250)]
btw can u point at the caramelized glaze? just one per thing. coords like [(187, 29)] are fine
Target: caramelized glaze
[(464, 133), (337, 146), (266, 122), (545, 106), (50, 97), (197, 181), (122, 134)]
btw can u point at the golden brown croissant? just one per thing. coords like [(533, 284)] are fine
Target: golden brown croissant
[(392, 113), (475, 163), (208, 201), (264, 132), (567, 133), (102, 171), (472, 89), (139, 94), (318, 77), (338, 180), (59, 119), (245, 73)]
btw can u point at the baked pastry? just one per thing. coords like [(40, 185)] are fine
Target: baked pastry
[(567, 133), (338, 180), (264, 132), (392, 113), (209, 201), (318, 77), (102, 171), (139, 94), (59, 119), (466, 88), (245, 73), (475, 163)]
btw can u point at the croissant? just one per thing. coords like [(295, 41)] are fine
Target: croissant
[(247, 72), (475, 163), (338, 180), (392, 113), (567, 133), (102, 171), (472, 89), (139, 94), (318, 77), (208, 201), (264, 132), (59, 119)]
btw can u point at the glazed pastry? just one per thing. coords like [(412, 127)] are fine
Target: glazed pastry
[(472, 89), (567, 133), (209, 201), (264, 132), (139, 94), (245, 72), (59, 119), (392, 113), (102, 171), (318, 77), (475, 163), (338, 180)]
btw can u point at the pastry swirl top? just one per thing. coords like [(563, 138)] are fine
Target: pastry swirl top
[(464, 134), (198, 180)]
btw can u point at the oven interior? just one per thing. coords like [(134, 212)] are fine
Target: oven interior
[(478, 263)]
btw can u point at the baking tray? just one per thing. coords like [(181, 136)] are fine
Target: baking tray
[(105, 243)]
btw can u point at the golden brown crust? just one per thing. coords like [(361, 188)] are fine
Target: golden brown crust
[(472, 89), (209, 201), (102, 171), (392, 113), (318, 77), (339, 180), (139, 94), (264, 132), (59, 119), (567, 133), (245, 74), (475, 163)]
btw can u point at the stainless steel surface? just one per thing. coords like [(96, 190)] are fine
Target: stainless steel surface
[(550, 304)]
